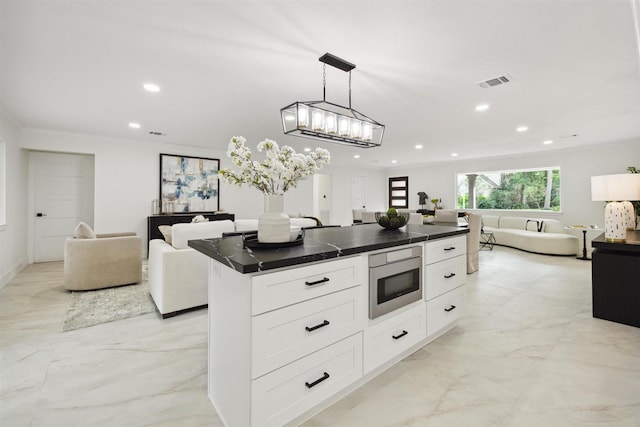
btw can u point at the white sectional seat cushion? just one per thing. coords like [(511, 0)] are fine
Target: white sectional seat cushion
[(178, 274), (539, 235), (246, 224), (182, 233)]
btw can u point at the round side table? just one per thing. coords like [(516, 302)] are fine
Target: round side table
[(584, 230)]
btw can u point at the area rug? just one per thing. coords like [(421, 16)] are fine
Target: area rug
[(89, 308)]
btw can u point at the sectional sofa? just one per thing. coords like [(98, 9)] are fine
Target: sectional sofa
[(178, 274), (538, 235)]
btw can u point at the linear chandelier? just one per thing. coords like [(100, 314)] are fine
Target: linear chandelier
[(331, 122)]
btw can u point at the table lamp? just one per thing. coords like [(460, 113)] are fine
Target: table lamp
[(617, 190)]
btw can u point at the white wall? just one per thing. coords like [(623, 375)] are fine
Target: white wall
[(577, 166), (13, 235)]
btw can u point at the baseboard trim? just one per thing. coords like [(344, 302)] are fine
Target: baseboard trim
[(9, 275)]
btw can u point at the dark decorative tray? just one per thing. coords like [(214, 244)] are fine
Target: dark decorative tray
[(251, 241)]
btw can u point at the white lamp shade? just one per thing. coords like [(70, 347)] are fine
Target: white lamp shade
[(620, 187)]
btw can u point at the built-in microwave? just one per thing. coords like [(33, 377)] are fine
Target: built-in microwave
[(395, 280)]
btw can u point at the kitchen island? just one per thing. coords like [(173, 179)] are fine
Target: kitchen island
[(289, 331)]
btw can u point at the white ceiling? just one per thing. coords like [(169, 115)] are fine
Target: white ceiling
[(226, 68)]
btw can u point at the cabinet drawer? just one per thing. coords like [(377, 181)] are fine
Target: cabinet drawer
[(387, 339), (274, 290), (444, 310), (444, 276), (282, 395), (441, 249), (281, 336)]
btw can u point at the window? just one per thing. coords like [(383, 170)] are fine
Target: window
[(399, 192), (525, 189)]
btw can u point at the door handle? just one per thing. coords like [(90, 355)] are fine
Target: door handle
[(40, 214)]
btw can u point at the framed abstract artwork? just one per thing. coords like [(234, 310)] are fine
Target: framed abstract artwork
[(188, 184)]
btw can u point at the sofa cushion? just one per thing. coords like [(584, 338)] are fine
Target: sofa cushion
[(166, 232), (182, 233), (491, 221), (84, 231), (246, 224), (199, 218), (535, 225), (513, 222)]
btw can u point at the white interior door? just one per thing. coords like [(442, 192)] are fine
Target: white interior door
[(62, 195), (322, 197), (358, 192)]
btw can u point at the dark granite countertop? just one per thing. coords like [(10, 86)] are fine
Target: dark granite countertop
[(319, 244), (631, 245)]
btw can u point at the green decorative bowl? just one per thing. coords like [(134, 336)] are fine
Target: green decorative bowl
[(391, 223)]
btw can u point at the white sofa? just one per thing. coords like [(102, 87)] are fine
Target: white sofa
[(177, 273), (538, 235)]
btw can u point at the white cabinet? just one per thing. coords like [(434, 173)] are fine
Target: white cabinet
[(286, 341), (444, 277), (389, 338), (282, 336), (275, 290), (282, 395), (283, 341), (441, 249), (444, 310)]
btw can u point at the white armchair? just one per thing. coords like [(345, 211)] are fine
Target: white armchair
[(178, 274)]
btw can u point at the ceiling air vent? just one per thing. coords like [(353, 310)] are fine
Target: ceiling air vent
[(495, 81), (156, 133)]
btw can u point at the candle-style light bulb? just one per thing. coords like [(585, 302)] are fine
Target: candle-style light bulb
[(303, 116)]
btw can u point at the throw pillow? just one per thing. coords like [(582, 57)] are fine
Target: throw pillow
[(199, 218), (83, 231), (166, 232), (535, 225)]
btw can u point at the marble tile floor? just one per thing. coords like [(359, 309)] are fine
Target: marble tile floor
[(527, 352)]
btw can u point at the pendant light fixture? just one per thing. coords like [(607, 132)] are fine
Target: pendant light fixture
[(331, 122)]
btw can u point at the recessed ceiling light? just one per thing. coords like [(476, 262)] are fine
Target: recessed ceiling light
[(482, 107), (357, 156), (547, 142), (418, 146), (151, 87), (134, 125), (454, 154), (522, 128), (394, 161)]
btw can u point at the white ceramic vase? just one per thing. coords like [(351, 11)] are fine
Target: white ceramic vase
[(273, 224)]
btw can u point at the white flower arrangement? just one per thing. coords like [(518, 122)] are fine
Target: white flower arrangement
[(281, 170)]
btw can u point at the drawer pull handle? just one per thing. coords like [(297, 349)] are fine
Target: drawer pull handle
[(450, 248), (317, 282), (450, 308), (449, 276), (321, 325), (397, 337), (318, 381)]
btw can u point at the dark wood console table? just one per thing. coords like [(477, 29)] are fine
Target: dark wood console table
[(155, 220), (615, 279)]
